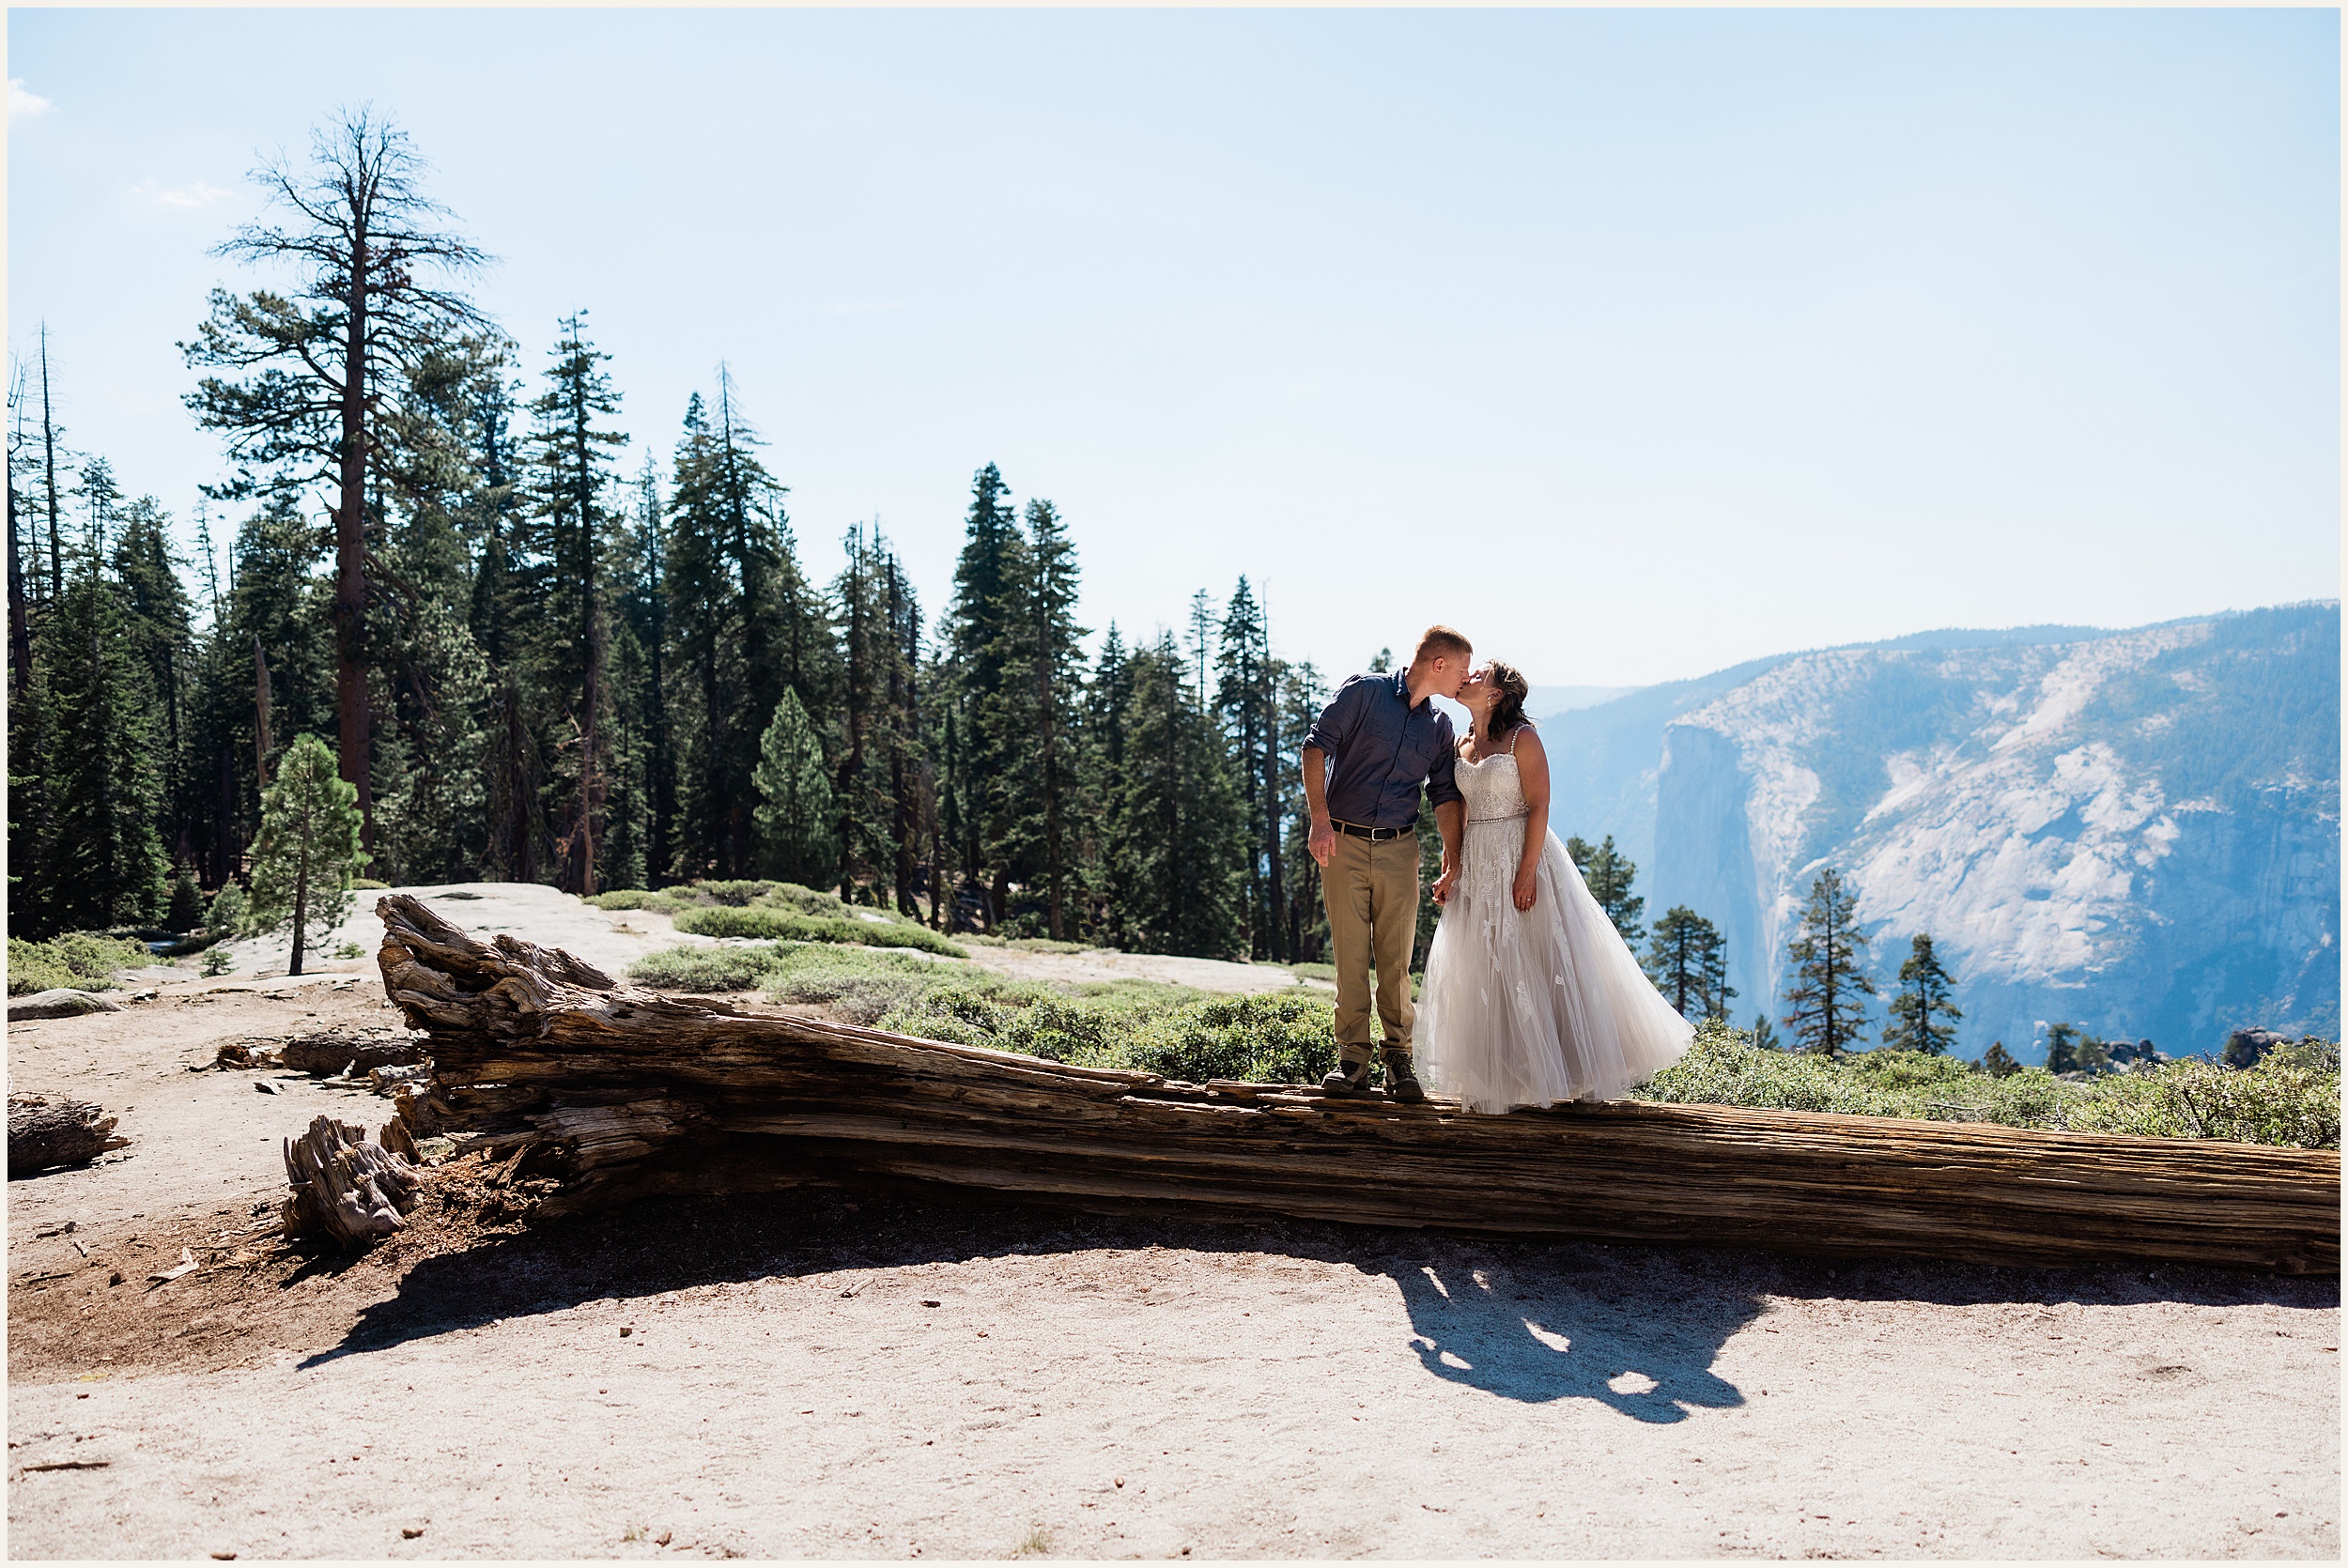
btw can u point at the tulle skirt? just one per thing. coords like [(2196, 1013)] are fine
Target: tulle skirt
[(1535, 1006)]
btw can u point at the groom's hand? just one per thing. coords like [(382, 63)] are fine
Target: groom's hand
[(1441, 890), (1322, 842)]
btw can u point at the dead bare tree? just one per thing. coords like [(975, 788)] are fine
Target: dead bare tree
[(317, 376)]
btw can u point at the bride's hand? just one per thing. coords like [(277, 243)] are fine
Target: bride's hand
[(1527, 885)]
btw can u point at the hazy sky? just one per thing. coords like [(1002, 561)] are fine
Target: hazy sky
[(1633, 343)]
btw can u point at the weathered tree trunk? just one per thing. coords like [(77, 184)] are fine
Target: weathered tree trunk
[(619, 1092), (44, 1133), (346, 1189)]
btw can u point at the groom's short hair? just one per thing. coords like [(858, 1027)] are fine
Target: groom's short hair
[(1438, 642)]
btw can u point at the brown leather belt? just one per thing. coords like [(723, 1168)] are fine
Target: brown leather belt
[(1375, 835)]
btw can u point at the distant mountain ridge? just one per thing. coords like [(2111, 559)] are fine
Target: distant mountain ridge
[(2137, 831)]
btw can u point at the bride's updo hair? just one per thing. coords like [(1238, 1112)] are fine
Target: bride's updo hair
[(1509, 707)]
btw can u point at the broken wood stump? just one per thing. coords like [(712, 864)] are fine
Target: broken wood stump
[(346, 1189), (44, 1133), (619, 1093)]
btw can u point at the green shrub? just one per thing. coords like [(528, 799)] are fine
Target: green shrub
[(80, 960), (2290, 1101), (705, 969), (1274, 1037), (368, 884), (863, 985), (733, 895), (636, 897), (776, 924), (227, 912)]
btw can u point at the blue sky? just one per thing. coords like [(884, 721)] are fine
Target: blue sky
[(1633, 343)]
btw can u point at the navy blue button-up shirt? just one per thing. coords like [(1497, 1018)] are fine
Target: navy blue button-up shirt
[(1380, 750)]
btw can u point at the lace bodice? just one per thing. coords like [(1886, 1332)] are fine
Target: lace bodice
[(1489, 789)]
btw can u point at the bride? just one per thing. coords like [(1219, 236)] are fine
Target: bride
[(1530, 996)]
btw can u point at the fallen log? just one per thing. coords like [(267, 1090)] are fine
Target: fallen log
[(45, 1133), (618, 1092)]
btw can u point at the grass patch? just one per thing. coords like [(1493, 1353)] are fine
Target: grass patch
[(78, 960), (2292, 1099)]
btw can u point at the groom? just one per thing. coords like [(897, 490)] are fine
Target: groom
[(1388, 741)]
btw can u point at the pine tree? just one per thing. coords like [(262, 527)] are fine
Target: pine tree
[(101, 864), (2063, 1048), (307, 851), (1248, 703), (1688, 962), (1827, 1007), (1039, 713), (433, 818), (1609, 875), (321, 370), (1998, 1062), (1764, 1033), (796, 840), (573, 657), (1177, 835), (1923, 1018), (863, 800), (187, 904), (981, 637), (1301, 696), (743, 623), (644, 609)]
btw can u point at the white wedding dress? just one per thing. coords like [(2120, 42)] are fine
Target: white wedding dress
[(1535, 1006)]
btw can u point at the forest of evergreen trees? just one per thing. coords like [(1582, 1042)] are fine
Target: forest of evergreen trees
[(599, 681), (537, 662)]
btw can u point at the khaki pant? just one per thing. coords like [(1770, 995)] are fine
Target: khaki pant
[(1371, 890)]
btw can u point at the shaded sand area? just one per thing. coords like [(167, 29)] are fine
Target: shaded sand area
[(863, 1374)]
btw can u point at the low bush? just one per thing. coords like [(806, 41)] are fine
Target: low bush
[(778, 924), (861, 985), (2288, 1098), (1274, 1037), (2288, 1101), (80, 960), (368, 884), (636, 897), (705, 969)]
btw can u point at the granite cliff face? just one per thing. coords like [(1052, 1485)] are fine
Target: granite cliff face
[(2135, 831)]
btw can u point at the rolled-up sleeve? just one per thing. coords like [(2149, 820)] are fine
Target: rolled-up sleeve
[(1442, 788), (1340, 720)]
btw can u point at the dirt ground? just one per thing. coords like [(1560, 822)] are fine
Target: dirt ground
[(857, 1374)]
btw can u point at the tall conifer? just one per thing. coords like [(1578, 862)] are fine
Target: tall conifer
[(1826, 1007)]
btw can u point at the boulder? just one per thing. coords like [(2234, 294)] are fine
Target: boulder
[(2246, 1047), (59, 1004)]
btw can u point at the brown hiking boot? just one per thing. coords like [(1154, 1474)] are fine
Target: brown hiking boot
[(1352, 1077), (1401, 1082)]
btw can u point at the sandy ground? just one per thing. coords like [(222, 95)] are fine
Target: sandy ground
[(849, 1375), (612, 940)]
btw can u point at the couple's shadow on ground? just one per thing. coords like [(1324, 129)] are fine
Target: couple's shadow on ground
[(1524, 1335), (1637, 1328)]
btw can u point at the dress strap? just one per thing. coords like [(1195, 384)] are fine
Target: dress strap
[(1517, 734)]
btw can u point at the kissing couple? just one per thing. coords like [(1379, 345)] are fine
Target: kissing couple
[(1531, 996)]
